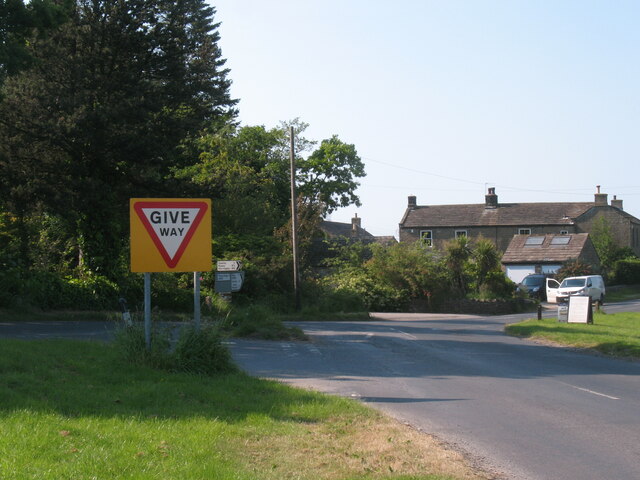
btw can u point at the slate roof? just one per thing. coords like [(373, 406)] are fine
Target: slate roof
[(519, 252), (515, 214), (339, 229)]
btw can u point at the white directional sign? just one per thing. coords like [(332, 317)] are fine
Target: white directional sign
[(228, 265)]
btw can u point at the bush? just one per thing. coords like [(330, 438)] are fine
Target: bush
[(50, 290), (497, 285), (358, 290), (627, 272), (200, 352)]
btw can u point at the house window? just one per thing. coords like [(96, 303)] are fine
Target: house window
[(426, 237), (524, 231), (564, 232), (461, 233)]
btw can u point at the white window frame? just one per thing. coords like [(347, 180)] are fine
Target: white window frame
[(460, 233), (426, 237), (524, 231)]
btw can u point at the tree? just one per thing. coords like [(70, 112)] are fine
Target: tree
[(607, 248), (329, 174), (18, 24), (246, 173), (247, 170), (102, 115)]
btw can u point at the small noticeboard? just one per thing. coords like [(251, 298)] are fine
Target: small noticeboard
[(170, 234), (580, 310)]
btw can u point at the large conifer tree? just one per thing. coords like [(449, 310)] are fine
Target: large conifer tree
[(102, 114)]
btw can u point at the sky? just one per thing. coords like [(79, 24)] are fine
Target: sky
[(443, 99)]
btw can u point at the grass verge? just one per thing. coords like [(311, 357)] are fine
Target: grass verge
[(73, 409), (615, 334)]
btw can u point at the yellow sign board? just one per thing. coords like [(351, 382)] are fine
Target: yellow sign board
[(170, 234)]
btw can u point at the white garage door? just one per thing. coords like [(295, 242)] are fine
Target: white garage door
[(517, 272)]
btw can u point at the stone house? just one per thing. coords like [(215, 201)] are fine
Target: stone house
[(528, 254), (499, 222)]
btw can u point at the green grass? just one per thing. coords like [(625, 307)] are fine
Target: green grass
[(612, 334), (75, 410)]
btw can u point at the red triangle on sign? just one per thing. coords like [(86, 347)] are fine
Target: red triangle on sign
[(171, 225)]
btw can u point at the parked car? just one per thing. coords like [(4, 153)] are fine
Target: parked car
[(588, 286), (534, 285)]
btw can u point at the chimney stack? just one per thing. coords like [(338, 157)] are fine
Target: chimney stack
[(356, 224), (600, 199), (412, 202), (616, 203), (491, 199)]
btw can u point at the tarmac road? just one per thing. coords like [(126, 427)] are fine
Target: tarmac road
[(524, 410)]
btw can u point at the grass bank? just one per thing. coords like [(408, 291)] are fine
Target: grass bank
[(615, 334), (73, 409)]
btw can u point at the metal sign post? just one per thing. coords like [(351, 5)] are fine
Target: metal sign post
[(147, 310), (196, 300)]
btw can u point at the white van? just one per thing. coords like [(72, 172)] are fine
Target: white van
[(587, 286)]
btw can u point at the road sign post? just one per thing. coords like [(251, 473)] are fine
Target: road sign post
[(147, 310), (196, 300), (170, 235)]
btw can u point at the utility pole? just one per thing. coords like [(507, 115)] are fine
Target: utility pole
[(294, 221)]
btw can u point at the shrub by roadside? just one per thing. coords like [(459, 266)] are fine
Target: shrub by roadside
[(200, 352)]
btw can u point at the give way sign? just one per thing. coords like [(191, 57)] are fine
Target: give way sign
[(170, 235)]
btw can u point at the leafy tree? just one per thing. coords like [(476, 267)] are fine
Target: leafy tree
[(244, 170), (329, 174), (604, 243), (247, 170), (102, 114)]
